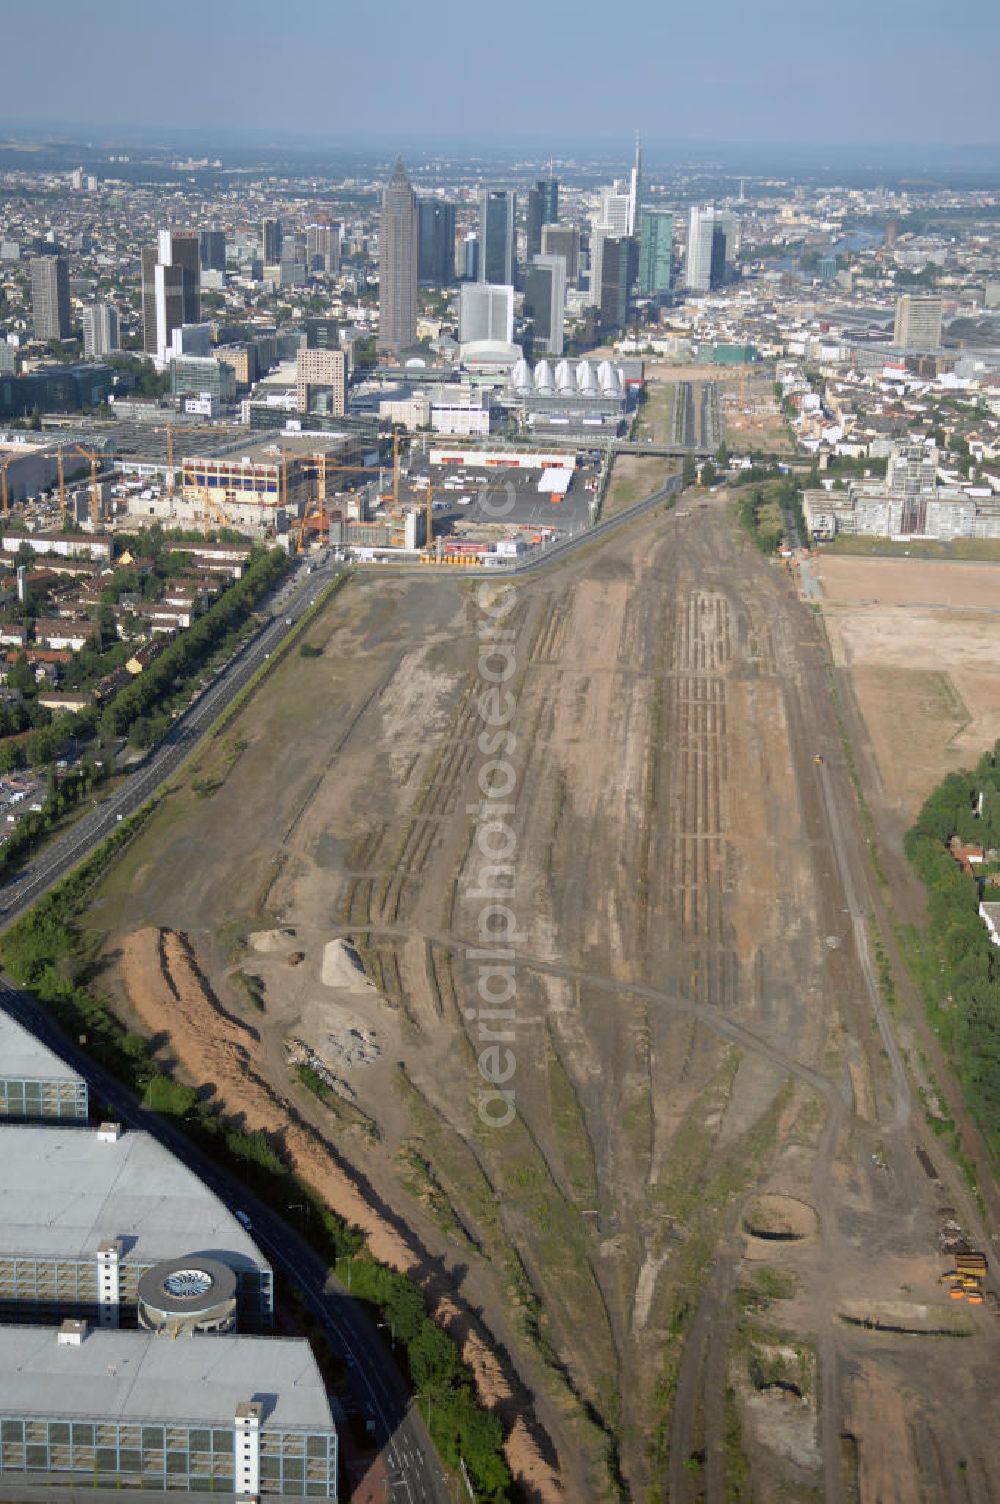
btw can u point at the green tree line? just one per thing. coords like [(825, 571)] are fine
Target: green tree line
[(48, 953), (967, 980)]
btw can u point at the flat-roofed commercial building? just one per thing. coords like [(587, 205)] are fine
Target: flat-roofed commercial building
[(34, 1082), (87, 1213), (102, 1411)]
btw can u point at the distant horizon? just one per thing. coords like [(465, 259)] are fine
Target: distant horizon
[(865, 78)]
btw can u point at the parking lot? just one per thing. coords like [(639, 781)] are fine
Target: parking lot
[(465, 497)]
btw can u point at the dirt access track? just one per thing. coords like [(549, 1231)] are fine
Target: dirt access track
[(696, 1030)]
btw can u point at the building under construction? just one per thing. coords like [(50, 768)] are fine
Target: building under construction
[(259, 485)]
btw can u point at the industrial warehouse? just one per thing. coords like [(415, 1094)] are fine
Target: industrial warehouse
[(88, 1212), (35, 1083), (133, 1308), (110, 1410)]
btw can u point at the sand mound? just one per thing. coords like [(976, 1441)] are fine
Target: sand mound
[(269, 941), (342, 968)]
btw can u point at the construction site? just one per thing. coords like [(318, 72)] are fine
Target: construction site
[(714, 1253)]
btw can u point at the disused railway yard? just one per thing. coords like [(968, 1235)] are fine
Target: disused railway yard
[(707, 1236)]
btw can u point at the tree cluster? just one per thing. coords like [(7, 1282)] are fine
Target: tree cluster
[(966, 805)]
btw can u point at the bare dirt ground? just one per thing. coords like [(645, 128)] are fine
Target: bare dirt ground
[(921, 644), (713, 1155), (633, 478)]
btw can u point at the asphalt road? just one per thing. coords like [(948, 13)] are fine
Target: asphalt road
[(412, 1473), (67, 850)]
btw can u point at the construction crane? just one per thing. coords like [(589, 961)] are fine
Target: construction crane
[(95, 495), (429, 530), (61, 469), (4, 506)]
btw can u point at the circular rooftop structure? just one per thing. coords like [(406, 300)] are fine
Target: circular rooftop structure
[(190, 1294)]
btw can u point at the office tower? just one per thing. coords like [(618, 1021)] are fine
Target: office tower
[(322, 334), (397, 255), (271, 239), (543, 209), (545, 301), (918, 322), (170, 280), (436, 242), (470, 258), (564, 241), (635, 191), (100, 330), (619, 261), (656, 244), (616, 210), (49, 297), (709, 234), (322, 247), (320, 374), (485, 311), (497, 213), (212, 250)]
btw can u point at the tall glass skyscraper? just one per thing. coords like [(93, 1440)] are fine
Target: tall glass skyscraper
[(397, 263), (497, 213), (656, 244), (436, 249), (543, 209)]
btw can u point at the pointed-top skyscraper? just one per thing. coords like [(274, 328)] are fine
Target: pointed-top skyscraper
[(397, 263), (635, 190)]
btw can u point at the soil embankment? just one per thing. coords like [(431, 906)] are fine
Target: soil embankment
[(170, 995)]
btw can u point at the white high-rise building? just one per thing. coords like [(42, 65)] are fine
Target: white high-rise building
[(485, 311), (635, 190), (100, 330), (918, 323), (705, 265)]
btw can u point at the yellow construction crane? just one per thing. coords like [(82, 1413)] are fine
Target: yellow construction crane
[(4, 506), (95, 495)]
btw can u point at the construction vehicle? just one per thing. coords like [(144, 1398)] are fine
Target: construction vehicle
[(968, 1276)]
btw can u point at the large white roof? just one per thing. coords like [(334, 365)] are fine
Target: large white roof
[(136, 1376), (24, 1056), (63, 1191)]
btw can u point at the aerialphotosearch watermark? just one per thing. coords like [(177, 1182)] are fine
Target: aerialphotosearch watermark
[(495, 844)]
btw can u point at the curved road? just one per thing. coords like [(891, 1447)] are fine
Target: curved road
[(413, 1475)]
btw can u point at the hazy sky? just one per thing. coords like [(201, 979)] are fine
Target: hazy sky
[(784, 71)]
